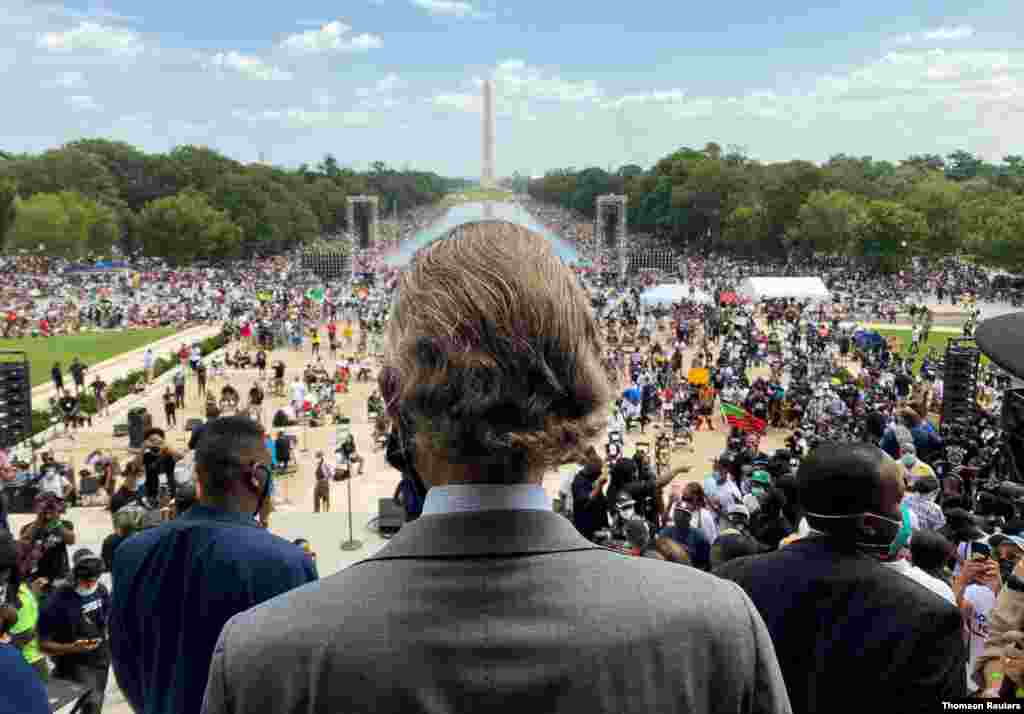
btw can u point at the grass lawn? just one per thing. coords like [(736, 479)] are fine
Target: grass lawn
[(937, 340), (91, 348)]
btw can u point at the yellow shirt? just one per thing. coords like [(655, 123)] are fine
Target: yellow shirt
[(28, 618)]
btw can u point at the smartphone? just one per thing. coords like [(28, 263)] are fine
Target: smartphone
[(980, 550)]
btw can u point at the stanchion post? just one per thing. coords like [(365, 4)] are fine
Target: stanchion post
[(351, 544)]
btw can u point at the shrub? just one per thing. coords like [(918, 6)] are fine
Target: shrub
[(125, 386)]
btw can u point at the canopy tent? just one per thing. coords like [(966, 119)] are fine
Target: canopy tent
[(671, 293), (806, 288)]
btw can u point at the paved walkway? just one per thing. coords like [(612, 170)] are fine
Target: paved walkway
[(120, 365)]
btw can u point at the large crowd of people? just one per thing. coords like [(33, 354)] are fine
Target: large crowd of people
[(858, 551)]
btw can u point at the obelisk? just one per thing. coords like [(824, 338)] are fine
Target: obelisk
[(487, 173)]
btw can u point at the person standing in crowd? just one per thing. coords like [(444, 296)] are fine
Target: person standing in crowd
[(170, 406), (486, 518), (683, 535), (23, 691), (836, 613), (283, 448), (158, 459), (73, 630), (179, 389), (147, 364), (589, 504), (197, 571), (322, 489), (201, 380), (47, 539), (99, 393), (734, 540), (58, 379), (78, 370), (23, 597)]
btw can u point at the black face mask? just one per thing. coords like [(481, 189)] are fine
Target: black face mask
[(399, 457)]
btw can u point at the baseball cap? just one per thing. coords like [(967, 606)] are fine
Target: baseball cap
[(761, 477), (87, 564), (999, 538)]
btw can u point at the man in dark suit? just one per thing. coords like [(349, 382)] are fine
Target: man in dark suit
[(847, 628), (490, 601)]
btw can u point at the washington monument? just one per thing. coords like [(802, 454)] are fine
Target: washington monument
[(487, 173)]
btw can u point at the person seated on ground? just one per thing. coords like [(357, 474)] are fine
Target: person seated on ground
[(228, 396), (128, 492), (256, 395), (350, 455)]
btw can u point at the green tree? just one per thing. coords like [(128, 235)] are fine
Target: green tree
[(891, 230), (939, 201), (41, 224), (185, 227), (8, 199), (67, 224), (828, 223)]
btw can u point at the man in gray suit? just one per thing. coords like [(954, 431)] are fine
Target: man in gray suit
[(490, 601)]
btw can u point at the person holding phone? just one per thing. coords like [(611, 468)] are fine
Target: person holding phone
[(976, 588), (73, 629)]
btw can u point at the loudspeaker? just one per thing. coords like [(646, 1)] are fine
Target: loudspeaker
[(15, 398), (138, 421), (960, 380), (392, 516)]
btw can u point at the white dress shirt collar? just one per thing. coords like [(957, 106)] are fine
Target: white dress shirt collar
[(463, 498)]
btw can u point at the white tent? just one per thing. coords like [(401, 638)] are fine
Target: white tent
[(812, 289), (670, 293)]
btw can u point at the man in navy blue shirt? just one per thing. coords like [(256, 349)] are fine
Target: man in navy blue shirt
[(23, 690), (176, 585)]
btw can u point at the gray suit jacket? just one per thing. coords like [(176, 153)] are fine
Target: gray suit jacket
[(499, 611)]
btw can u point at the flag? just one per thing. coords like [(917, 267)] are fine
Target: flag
[(741, 418)]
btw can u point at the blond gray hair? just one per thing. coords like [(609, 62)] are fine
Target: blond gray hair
[(496, 353)]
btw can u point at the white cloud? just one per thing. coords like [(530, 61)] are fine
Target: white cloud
[(332, 37), (459, 102), (92, 36), (82, 103), (66, 80), (297, 118), (937, 34), (248, 66), (514, 79), (670, 96), (450, 8)]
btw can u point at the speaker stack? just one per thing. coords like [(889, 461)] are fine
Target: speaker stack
[(15, 398), (960, 381)]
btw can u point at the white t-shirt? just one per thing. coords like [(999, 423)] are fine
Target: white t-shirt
[(983, 600), (53, 482), (916, 574), (298, 392)]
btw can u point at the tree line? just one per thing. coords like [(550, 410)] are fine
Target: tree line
[(189, 204), (878, 211)]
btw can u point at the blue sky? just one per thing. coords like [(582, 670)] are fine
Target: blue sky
[(577, 83)]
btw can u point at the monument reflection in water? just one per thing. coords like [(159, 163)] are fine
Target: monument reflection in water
[(480, 211)]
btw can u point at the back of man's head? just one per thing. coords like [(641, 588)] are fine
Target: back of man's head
[(494, 355), (837, 480), (224, 448)]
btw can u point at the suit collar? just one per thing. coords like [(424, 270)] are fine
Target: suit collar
[(484, 533)]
